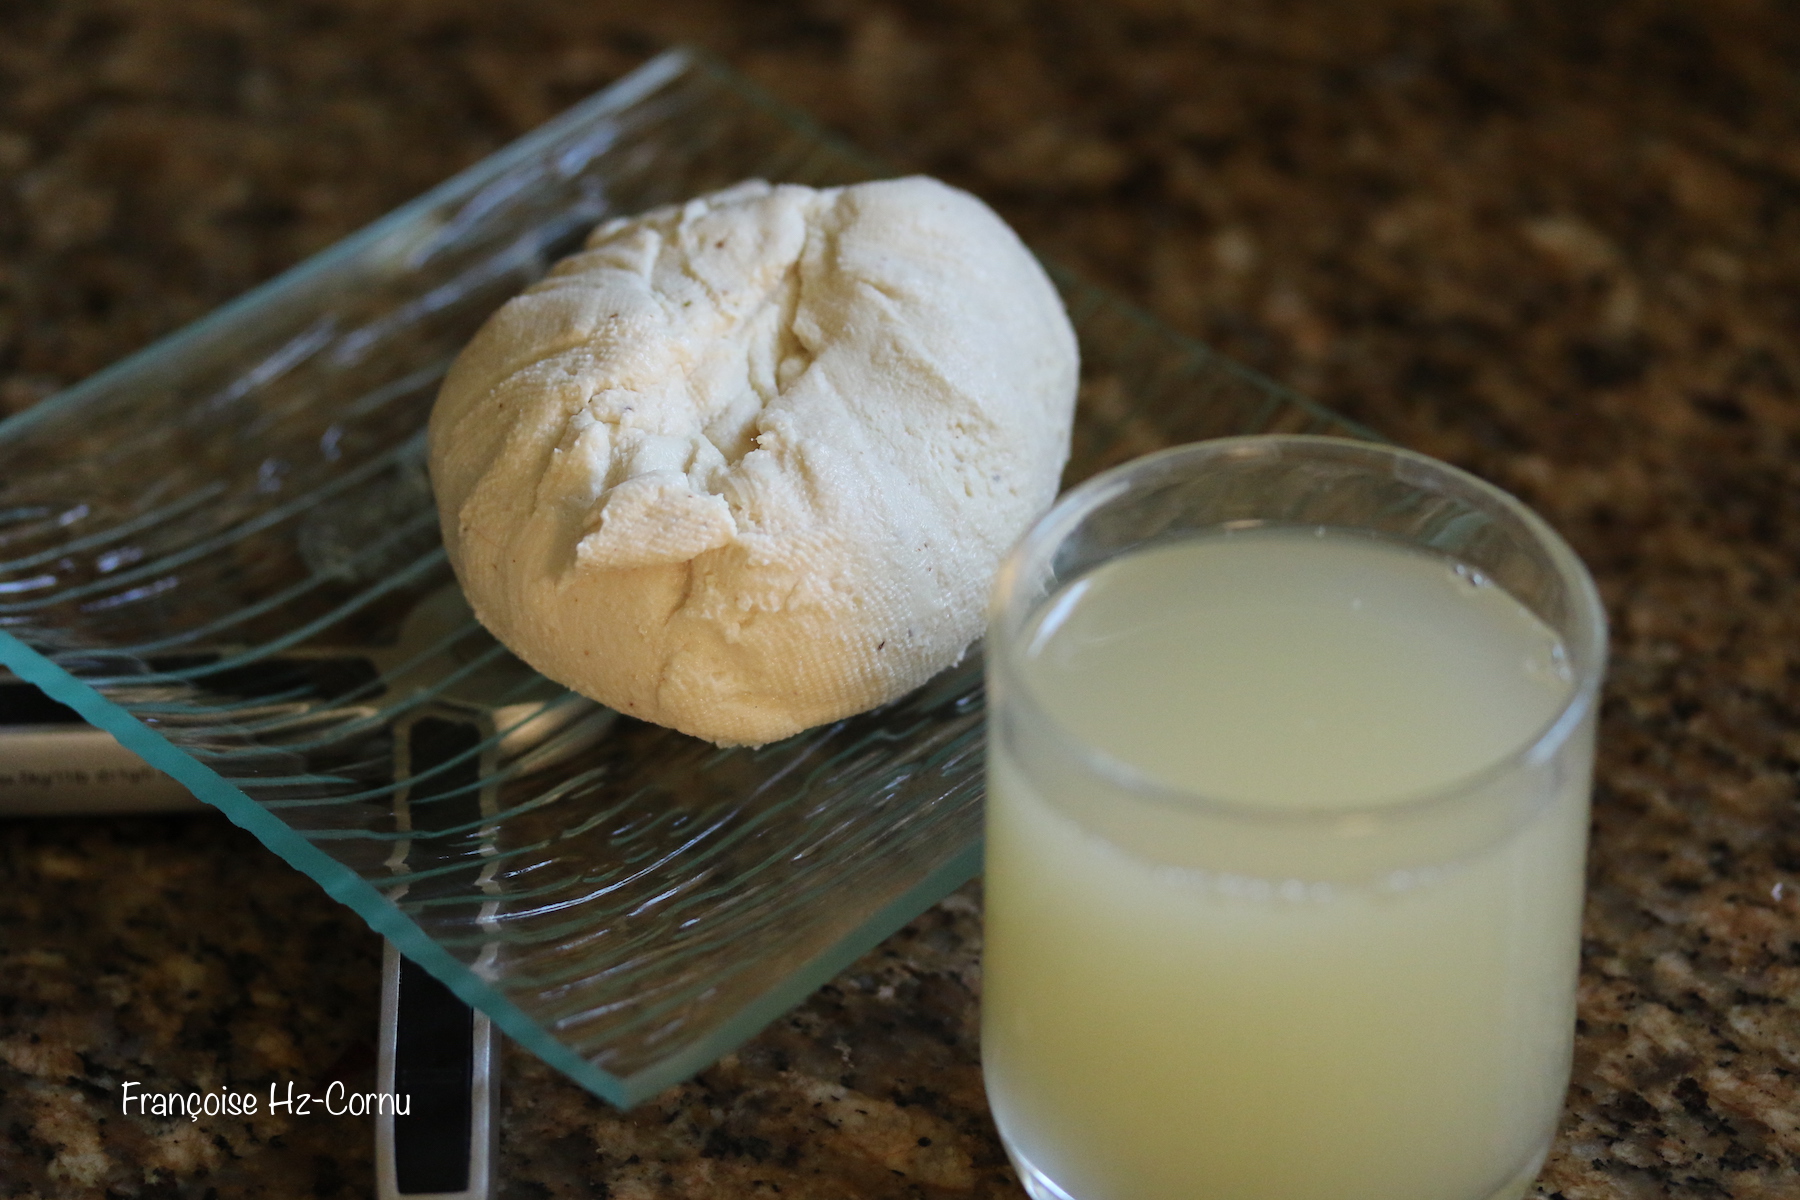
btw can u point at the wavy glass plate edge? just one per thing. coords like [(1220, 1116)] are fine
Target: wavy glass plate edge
[(365, 897)]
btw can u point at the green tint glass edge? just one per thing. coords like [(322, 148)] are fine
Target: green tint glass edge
[(633, 87), (339, 881)]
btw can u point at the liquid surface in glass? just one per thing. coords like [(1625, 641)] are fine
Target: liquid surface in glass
[(1293, 669), (1156, 1029)]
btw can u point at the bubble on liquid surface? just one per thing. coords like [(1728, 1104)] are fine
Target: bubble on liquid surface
[(1550, 664), (1469, 577)]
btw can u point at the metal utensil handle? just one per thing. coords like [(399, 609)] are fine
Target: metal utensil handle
[(438, 1058), (439, 1140)]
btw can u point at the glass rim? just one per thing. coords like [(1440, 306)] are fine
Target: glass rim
[(1012, 604)]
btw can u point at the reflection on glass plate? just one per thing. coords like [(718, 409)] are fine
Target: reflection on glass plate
[(224, 551)]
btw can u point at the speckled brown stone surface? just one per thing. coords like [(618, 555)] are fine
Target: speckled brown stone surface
[(1558, 244)]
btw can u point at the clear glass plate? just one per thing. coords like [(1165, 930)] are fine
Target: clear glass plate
[(223, 550)]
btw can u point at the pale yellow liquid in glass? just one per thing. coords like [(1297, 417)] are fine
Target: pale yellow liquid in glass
[(1167, 1013)]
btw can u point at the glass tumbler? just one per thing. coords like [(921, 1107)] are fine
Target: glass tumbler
[(1290, 749)]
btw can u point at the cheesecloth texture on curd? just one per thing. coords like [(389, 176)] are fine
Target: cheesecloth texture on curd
[(748, 464)]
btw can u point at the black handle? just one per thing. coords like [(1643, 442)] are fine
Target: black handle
[(438, 1057), (439, 1060)]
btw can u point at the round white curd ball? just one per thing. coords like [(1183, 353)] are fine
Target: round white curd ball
[(748, 464)]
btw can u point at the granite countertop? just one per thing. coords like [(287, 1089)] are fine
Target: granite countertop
[(1556, 244)]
